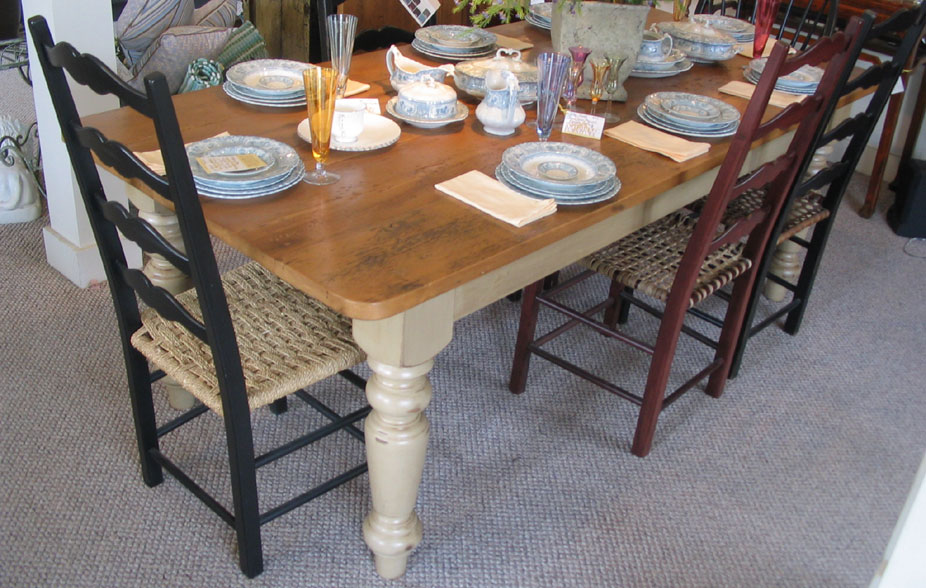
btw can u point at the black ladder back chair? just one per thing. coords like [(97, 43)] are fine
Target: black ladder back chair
[(815, 200), (681, 259), (797, 24), (285, 340)]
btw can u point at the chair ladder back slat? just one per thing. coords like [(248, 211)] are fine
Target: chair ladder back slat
[(163, 302), (88, 70), (119, 157), (139, 231)]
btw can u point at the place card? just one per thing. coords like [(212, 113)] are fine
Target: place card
[(231, 163), (583, 125)]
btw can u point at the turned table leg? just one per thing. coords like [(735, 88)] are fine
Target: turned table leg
[(164, 274), (786, 261), (400, 353)]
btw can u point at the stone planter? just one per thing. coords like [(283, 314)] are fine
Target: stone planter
[(606, 29)]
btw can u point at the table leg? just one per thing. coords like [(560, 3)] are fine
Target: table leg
[(400, 351), (164, 274)]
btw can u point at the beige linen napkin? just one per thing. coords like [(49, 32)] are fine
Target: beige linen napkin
[(512, 43), (745, 90), (494, 198), (155, 161), (354, 87), (650, 139)]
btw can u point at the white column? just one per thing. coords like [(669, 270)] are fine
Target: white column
[(69, 243)]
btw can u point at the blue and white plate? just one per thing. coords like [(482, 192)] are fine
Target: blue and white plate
[(685, 130), (681, 66), (270, 78), (282, 160), (294, 177), (452, 38), (441, 53), (740, 30), (692, 110), (558, 167), (607, 192), (235, 92)]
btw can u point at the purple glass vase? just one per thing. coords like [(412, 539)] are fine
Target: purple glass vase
[(576, 75)]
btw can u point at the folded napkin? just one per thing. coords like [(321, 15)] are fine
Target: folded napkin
[(354, 87), (745, 49), (650, 139), (494, 198), (155, 161), (512, 43), (745, 90)]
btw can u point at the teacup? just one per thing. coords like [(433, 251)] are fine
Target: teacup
[(655, 46), (347, 123)]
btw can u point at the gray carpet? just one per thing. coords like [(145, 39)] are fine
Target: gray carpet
[(795, 477)]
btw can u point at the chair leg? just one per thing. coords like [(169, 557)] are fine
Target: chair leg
[(279, 406), (146, 430), (618, 310), (654, 394), (244, 491), (526, 329), (730, 333), (808, 273)]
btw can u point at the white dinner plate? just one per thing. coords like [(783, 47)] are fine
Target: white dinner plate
[(378, 132)]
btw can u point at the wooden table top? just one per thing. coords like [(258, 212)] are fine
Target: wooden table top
[(383, 239)]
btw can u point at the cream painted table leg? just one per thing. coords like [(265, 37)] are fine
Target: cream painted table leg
[(400, 352), (164, 274), (786, 261)]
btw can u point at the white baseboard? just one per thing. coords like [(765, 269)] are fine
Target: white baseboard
[(81, 265)]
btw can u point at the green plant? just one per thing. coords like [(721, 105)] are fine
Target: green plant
[(483, 12)]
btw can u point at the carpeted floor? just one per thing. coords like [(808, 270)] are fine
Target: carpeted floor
[(795, 477)]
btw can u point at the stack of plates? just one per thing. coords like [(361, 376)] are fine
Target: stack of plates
[(454, 42), (801, 81), (541, 15), (568, 173), (283, 167), (740, 30), (672, 64), (689, 114), (267, 82)]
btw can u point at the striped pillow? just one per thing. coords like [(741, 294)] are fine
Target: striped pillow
[(143, 21), (217, 13), (175, 50)]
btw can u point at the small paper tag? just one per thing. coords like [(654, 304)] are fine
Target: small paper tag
[(231, 163), (583, 125), (898, 87), (371, 105)]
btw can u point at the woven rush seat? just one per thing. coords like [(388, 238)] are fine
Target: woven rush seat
[(287, 340), (648, 259), (806, 211)]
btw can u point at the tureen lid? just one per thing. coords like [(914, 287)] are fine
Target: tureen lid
[(427, 90), (504, 60), (696, 33)]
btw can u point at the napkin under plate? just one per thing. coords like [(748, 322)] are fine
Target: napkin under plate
[(494, 198), (745, 90), (354, 87), (650, 139), (155, 161), (512, 43)]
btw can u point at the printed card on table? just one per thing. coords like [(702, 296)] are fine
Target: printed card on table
[(583, 125), (421, 10), (231, 163)]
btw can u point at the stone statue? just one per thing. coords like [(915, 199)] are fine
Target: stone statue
[(19, 190)]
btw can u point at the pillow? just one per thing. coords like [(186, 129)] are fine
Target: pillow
[(175, 50), (216, 13), (143, 21)]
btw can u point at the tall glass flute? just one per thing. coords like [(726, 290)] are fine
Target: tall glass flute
[(321, 84), (552, 69), (600, 69), (613, 83), (342, 28)]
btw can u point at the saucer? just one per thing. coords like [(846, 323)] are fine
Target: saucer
[(425, 123), (378, 132)]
